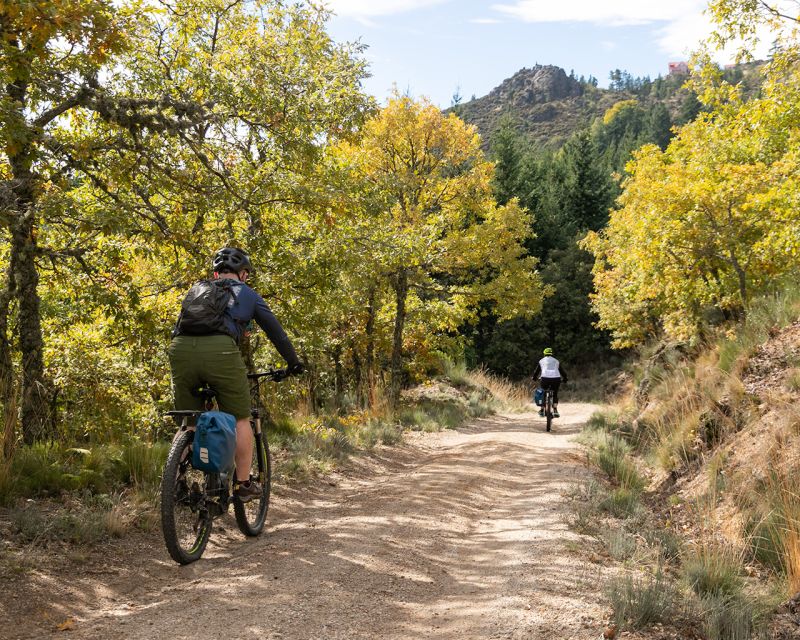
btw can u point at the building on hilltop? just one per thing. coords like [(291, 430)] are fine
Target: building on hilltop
[(678, 68)]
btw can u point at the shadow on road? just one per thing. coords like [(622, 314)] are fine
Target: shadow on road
[(466, 542)]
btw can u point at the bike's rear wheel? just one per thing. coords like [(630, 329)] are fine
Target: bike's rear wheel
[(251, 515), (185, 519), (549, 410)]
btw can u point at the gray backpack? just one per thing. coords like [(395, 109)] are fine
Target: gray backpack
[(203, 308)]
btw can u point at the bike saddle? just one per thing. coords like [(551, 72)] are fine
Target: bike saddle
[(205, 392)]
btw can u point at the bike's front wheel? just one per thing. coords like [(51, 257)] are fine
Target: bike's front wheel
[(185, 518), (251, 515)]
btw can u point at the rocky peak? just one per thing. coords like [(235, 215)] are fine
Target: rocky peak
[(542, 83)]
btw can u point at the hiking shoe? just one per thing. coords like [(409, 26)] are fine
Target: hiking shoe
[(541, 413), (556, 414), (246, 491)]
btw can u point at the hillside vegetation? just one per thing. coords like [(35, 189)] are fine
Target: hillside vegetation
[(702, 451), (696, 270), (547, 106)]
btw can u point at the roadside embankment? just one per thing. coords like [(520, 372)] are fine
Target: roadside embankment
[(700, 494)]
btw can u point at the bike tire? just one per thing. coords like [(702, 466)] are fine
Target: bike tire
[(174, 509), (549, 411), (251, 516)]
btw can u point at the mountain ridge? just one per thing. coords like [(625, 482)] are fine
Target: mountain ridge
[(548, 105)]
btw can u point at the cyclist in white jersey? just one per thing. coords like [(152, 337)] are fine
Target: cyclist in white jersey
[(551, 374)]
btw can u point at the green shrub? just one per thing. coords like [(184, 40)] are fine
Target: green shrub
[(765, 536), (479, 405), (32, 525), (142, 462), (726, 618), (621, 503), (638, 602), (378, 431), (417, 419), (665, 542), (620, 545), (456, 372), (281, 430), (612, 457), (585, 507), (603, 420)]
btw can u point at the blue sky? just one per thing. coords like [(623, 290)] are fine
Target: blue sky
[(434, 46)]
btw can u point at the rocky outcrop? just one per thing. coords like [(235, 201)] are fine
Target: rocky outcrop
[(542, 83)]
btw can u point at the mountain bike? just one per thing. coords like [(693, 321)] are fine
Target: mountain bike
[(191, 499)]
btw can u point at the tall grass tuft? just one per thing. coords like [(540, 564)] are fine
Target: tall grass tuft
[(780, 529), (456, 371), (727, 618), (612, 456), (142, 462), (640, 601), (714, 570)]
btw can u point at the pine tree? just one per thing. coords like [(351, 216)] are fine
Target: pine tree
[(659, 125), (507, 155)]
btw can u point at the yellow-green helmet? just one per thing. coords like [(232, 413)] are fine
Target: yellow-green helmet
[(548, 351)]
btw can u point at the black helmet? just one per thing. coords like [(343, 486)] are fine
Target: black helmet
[(231, 259)]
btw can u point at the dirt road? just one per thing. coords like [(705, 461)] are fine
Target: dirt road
[(459, 535)]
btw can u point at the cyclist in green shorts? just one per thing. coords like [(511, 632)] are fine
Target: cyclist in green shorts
[(205, 349)]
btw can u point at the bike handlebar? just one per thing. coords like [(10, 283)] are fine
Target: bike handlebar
[(276, 375)]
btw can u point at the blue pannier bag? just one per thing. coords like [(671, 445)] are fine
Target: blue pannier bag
[(537, 396), (214, 442)]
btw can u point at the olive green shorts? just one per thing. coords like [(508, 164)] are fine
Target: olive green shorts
[(212, 359)]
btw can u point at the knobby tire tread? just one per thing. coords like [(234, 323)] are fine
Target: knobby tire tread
[(168, 481), (240, 509)]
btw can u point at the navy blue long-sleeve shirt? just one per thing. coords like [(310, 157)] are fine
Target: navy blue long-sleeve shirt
[(247, 305)]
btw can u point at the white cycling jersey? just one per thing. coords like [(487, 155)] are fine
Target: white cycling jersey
[(549, 367)]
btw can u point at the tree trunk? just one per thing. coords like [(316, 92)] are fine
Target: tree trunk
[(21, 155), (741, 276), (358, 374), (8, 390), (400, 285), (246, 349), (369, 359), (36, 423), (338, 378)]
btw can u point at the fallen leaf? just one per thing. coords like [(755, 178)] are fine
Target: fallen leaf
[(67, 625)]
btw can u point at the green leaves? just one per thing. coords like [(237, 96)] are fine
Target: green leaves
[(707, 223)]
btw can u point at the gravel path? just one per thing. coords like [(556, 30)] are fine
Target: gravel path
[(460, 535)]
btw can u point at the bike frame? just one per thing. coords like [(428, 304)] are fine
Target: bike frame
[(187, 419)]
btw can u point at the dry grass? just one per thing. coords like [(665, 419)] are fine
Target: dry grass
[(782, 493), (513, 396), (793, 380)]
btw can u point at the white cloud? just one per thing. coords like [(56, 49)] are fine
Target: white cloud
[(680, 37), (679, 25), (485, 21), (608, 12), (608, 45), (364, 8)]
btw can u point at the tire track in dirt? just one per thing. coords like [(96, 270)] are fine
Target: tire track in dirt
[(464, 538)]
